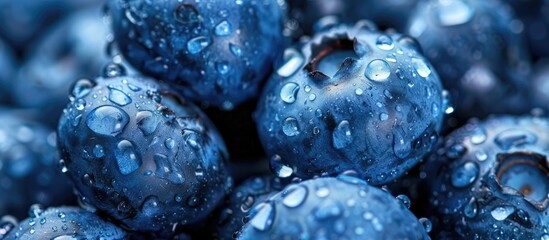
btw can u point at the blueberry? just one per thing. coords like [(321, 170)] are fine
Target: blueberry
[(58, 223), (352, 98), (28, 166), (481, 58), (141, 154), (7, 66), (332, 208), (22, 21), (72, 49), (245, 197), (309, 16), (489, 179), (214, 52)]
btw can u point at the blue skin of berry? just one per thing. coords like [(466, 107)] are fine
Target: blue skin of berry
[(379, 114), (489, 179), (7, 67), (245, 197), (482, 61), (72, 49), (332, 208), (215, 52), (23, 21), (28, 166), (314, 15), (65, 223), (141, 154)]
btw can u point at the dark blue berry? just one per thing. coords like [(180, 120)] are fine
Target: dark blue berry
[(333, 208), (146, 157), (489, 180), (309, 16), (28, 166), (480, 55), (22, 22), (211, 51), (249, 194), (61, 223), (72, 49), (352, 98)]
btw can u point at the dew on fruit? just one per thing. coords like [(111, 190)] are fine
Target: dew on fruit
[(222, 67), (165, 170), (118, 97), (383, 116), (147, 122), (294, 197), (378, 70), (224, 28), (501, 213), (127, 158), (279, 168), (481, 155), (186, 14), (197, 44), (293, 60), (421, 67), (82, 88), (359, 91), (405, 200), (342, 135), (514, 138), (385, 42), (289, 91), (98, 151), (465, 174), (454, 12), (327, 211), (263, 219), (235, 50), (107, 120), (401, 147), (290, 127), (471, 208), (322, 192), (478, 137), (151, 206)]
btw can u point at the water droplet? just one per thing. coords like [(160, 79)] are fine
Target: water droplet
[(359, 91), (169, 143), (197, 44), (98, 151), (165, 170), (378, 70), (401, 147), (289, 91), (383, 116), (35, 210), (421, 67), (147, 122), (82, 88), (328, 210), (236, 50), (312, 97), (294, 197), (385, 42), (224, 28), (127, 157), (279, 168), (502, 212), (222, 67), (293, 60), (426, 223), (478, 137), (118, 97), (186, 14), (514, 138), (405, 200), (470, 209), (151, 206), (80, 104), (263, 219), (342, 135), (465, 174), (290, 127), (107, 120), (481, 155), (454, 12), (113, 70), (322, 192)]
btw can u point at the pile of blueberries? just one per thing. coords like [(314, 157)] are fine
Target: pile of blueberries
[(274, 119)]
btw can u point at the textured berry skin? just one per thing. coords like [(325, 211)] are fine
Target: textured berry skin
[(332, 208), (489, 180), (64, 223), (28, 166), (482, 60), (216, 52), (312, 15), (7, 66), (72, 49), (379, 114), (141, 154), (22, 22), (245, 197)]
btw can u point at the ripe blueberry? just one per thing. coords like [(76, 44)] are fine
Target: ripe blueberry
[(142, 155), (352, 98), (216, 52)]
